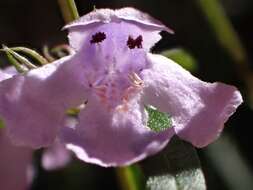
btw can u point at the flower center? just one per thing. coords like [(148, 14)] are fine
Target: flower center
[(114, 58), (116, 90)]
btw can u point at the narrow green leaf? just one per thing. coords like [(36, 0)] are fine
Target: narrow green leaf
[(1, 124), (31, 53), (130, 177), (20, 58), (20, 68), (240, 175), (75, 110), (47, 54), (183, 58), (64, 49), (229, 40), (177, 167), (223, 29), (157, 120)]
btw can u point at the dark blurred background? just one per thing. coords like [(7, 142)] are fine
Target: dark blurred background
[(34, 23)]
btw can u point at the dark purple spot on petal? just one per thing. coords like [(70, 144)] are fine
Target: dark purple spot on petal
[(133, 43), (98, 37)]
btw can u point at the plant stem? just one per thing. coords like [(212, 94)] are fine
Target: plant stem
[(223, 29), (229, 40), (69, 10), (130, 177)]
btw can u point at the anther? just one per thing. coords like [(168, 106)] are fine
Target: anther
[(98, 37), (133, 43), (135, 79)]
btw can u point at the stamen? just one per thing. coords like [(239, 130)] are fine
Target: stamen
[(122, 108), (135, 79), (98, 37), (132, 43)]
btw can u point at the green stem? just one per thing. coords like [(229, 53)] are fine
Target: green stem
[(130, 177), (69, 10), (228, 39), (223, 29)]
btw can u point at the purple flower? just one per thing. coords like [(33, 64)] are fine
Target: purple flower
[(114, 73), (16, 170), (15, 165), (55, 157)]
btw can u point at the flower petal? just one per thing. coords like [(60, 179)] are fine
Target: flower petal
[(15, 165), (114, 138), (81, 29), (131, 14), (198, 109), (33, 105), (11, 70), (55, 157), (127, 14), (4, 75)]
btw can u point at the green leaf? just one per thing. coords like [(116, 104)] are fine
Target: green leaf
[(18, 57), (63, 50), (182, 57), (19, 67), (47, 54), (222, 27), (1, 124), (75, 110), (220, 149), (177, 167), (158, 121), (32, 53)]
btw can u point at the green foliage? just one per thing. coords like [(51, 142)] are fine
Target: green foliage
[(158, 121), (223, 29), (1, 124), (31, 53), (177, 167), (183, 58), (19, 67), (73, 112), (19, 58)]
